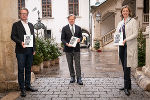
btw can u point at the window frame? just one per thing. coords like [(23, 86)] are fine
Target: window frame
[(46, 13), (73, 3), (20, 5)]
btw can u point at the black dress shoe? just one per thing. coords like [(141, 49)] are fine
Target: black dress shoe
[(23, 93), (126, 91), (72, 80), (31, 89), (79, 81), (123, 89)]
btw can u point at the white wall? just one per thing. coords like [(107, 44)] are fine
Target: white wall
[(59, 15)]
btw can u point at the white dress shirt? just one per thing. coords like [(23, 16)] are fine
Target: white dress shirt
[(26, 27)]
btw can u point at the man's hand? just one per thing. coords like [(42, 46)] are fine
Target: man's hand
[(23, 45), (78, 40), (68, 45), (34, 53)]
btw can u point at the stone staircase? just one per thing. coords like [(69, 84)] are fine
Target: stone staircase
[(106, 41)]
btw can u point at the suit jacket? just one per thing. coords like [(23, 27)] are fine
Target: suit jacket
[(66, 36), (17, 35)]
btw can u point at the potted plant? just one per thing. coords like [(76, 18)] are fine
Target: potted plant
[(54, 52), (46, 53), (37, 59), (97, 45), (141, 50)]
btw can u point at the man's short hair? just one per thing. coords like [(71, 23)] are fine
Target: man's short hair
[(71, 15), (23, 8)]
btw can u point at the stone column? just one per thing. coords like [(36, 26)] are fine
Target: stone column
[(143, 76), (146, 68), (118, 12), (96, 27), (139, 11), (8, 65)]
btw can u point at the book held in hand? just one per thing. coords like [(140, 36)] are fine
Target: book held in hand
[(73, 41), (118, 39), (28, 40)]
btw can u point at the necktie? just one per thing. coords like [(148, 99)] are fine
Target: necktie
[(72, 30)]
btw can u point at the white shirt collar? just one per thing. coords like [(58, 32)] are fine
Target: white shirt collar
[(24, 22), (127, 20), (71, 25)]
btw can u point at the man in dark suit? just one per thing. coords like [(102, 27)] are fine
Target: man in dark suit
[(72, 52), (24, 54)]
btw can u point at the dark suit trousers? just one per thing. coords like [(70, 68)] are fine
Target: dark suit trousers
[(24, 62), (126, 70), (76, 57)]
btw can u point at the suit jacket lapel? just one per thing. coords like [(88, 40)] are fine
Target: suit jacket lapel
[(22, 27), (75, 29), (30, 28), (69, 30)]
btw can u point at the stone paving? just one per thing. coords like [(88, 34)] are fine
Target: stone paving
[(93, 89), (102, 77)]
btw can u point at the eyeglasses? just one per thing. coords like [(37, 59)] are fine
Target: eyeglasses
[(24, 13)]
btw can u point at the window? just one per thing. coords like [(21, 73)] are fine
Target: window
[(48, 35), (21, 3), (146, 6), (46, 8), (74, 7)]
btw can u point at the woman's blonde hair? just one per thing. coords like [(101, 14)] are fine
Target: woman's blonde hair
[(130, 12)]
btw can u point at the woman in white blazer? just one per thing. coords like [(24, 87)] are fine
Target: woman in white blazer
[(127, 51)]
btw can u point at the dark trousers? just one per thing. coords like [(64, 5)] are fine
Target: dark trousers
[(126, 70), (76, 57), (24, 62)]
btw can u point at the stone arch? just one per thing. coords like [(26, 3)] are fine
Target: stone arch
[(107, 22), (85, 31), (108, 11), (86, 38)]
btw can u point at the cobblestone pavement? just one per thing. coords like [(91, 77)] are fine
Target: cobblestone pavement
[(3, 94), (102, 77), (93, 89)]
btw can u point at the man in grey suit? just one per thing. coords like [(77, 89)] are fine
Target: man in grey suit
[(72, 53)]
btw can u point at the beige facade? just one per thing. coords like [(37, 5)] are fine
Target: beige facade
[(8, 62), (8, 65)]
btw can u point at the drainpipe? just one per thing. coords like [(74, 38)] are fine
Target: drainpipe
[(90, 33), (90, 24)]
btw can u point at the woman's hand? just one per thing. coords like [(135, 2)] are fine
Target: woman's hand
[(124, 41)]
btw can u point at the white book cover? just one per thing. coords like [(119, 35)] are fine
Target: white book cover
[(118, 39), (73, 41), (28, 40)]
